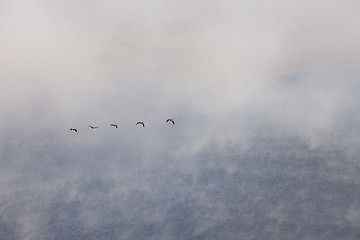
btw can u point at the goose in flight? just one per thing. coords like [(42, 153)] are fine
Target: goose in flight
[(142, 123), (114, 125), (73, 129), (93, 127), (171, 120)]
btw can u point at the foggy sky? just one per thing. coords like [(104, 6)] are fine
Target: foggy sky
[(265, 99)]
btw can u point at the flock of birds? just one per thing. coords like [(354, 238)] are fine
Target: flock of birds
[(116, 126)]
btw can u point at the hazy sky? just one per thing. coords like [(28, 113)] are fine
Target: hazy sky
[(265, 99)]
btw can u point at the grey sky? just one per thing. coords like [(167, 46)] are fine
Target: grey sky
[(265, 99)]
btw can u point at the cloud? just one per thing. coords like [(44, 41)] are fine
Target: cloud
[(264, 95)]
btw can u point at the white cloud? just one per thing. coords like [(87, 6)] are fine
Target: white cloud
[(231, 73)]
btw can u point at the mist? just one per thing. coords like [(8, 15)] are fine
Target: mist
[(265, 99)]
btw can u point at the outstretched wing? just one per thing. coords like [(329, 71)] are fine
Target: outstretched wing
[(142, 123), (171, 120)]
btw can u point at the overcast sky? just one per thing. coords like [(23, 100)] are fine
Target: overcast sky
[(264, 94)]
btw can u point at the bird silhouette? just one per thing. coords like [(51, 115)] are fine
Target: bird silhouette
[(114, 125), (93, 127), (142, 123), (73, 129), (171, 120)]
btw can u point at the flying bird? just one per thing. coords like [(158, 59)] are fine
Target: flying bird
[(171, 120), (142, 123), (73, 129), (114, 125), (92, 127)]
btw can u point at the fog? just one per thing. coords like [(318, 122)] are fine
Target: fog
[(265, 99)]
